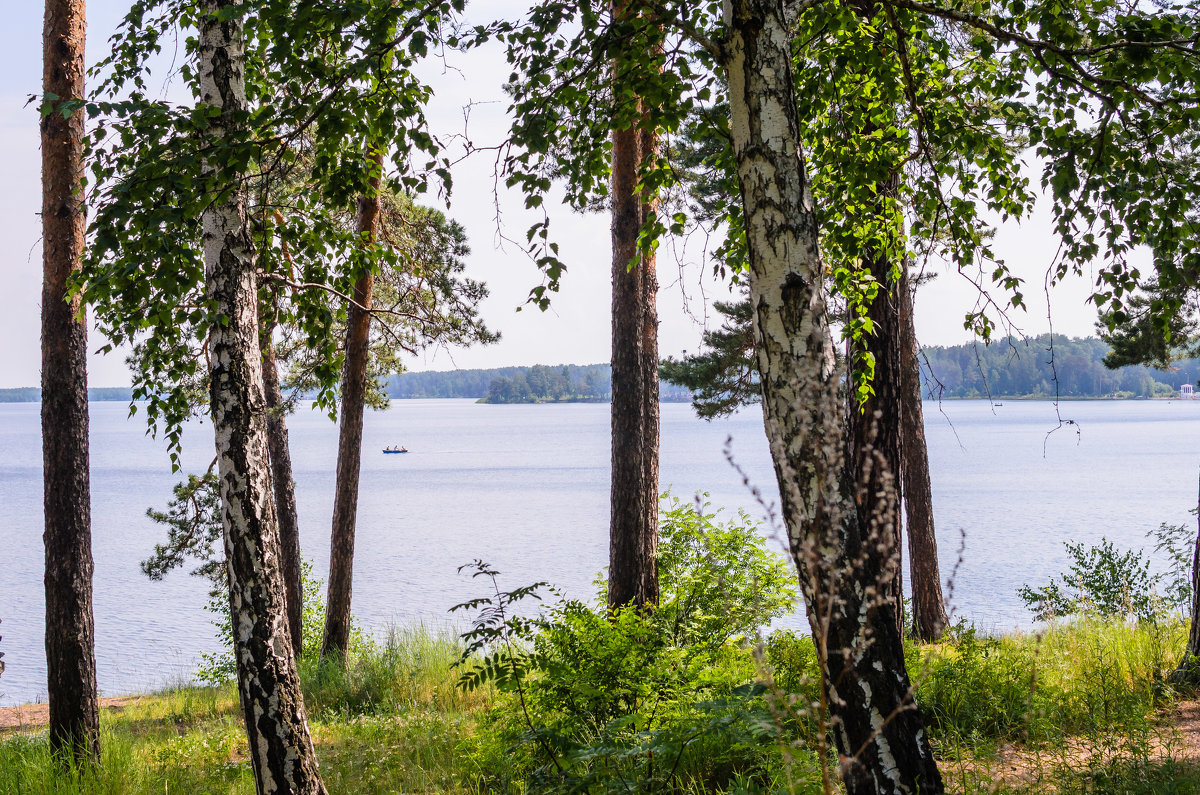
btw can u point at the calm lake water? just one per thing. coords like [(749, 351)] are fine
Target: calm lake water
[(526, 489)]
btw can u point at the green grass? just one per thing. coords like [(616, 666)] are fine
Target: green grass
[(1080, 707), (1075, 709), (390, 720)]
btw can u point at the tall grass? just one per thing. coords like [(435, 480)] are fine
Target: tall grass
[(1086, 677), (410, 668), (388, 720), (1073, 708)]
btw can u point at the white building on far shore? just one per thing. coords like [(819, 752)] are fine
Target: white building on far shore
[(1187, 392)]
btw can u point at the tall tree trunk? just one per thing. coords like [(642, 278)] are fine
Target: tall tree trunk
[(633, 529), (925, 579), (1188, 672), (284, 484), (281, 750), (70, 631), (875, 424), (878, 729), (354, 393)]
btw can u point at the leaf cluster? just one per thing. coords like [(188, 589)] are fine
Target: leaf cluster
[(326, 84), (1103, 581)]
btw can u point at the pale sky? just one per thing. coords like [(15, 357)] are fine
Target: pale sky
[(575, 329)]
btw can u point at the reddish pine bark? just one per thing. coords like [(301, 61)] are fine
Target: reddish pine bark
[(925, 579), (633, 528), (354, 396), (70, 633)]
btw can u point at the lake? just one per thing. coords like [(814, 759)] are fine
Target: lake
[(525, 488)]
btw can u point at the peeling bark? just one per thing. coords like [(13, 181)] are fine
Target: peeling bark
[(280, 747), (633, 529), (925, 579), (878, 729), (70, 630), (349, 461), (284, 486)]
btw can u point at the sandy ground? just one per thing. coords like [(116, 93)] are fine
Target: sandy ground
[(34, 716), (1176, 737)]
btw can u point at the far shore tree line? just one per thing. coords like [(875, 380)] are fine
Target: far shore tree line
[(267, 238), (1074, 367)]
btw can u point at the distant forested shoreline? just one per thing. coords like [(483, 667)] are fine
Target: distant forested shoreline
[(33, 394), (563, 383), (1006, 368), (1073, 367)]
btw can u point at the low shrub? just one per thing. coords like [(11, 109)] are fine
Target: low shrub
[(633, 700)]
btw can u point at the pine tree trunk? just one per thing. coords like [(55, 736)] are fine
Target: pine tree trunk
[(284, 486), (633, 530), (1188, 672), (281, 751), (925, 579), (843, 566), (70, 631), (354, 393)]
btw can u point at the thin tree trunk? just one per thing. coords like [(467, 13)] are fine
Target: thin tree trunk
[(281, 751), (70, 630), (843, 566), (1188, 672), (925, 579), (284, 485), (354, 392), (633, 529)]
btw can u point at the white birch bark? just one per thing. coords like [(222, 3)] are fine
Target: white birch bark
[(878, 730), (281, 750)]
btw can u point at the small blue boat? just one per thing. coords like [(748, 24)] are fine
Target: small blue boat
[(391, 450)]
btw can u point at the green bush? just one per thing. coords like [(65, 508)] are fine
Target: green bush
[(974, 688), (1105, 582), (636, 700), (1101, 581)]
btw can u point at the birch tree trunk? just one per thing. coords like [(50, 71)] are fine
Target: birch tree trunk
[(70, 632), (843, 566), (354, 399), (281, 750), (633, 529), (284, 486), (925, 579)]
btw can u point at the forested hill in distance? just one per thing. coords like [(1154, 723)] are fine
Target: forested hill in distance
[(1007, 368), (32, 394), (537, 384), (1071, 368)]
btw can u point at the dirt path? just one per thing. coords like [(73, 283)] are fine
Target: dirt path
[(1175, 737), (34, 716), (1185, 719)]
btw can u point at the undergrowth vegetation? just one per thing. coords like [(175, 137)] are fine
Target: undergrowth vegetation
[(550, 694)]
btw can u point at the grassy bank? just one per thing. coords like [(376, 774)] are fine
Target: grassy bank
[(1078, 708)]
